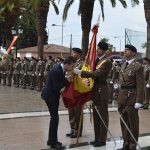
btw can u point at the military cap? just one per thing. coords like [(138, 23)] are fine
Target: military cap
[(131, 47), (147, 59), (77, 50), (103, 46)]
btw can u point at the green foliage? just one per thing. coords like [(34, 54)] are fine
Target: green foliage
[(101, 2), (144, 45), (110, 46)]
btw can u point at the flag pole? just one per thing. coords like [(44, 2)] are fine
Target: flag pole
[(80, 124)]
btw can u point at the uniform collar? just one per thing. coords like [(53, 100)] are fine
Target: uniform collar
[(101, 57), (130, 61)]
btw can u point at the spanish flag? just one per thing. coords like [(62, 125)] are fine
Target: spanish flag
[(79, 91), (12, 43)]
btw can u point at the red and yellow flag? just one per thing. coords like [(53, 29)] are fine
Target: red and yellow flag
[(78, 92), (11, 45)]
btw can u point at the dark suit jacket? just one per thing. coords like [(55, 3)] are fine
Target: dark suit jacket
[(56, 81)]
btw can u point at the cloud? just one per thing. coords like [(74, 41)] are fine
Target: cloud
[(116, 20)]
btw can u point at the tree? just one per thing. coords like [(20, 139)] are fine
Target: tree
[(110, 46), (10, 13), (144, 45), (147, 16), (86, 12), (41, 8)]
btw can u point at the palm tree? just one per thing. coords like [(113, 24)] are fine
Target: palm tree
[(86, 12), (41, 8), (10, 10), (147, 16)]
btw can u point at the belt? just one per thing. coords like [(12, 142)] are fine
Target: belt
[(128, 87)]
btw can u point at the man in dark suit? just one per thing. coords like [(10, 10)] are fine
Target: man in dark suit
[(51, 94), (99, 93), (131, 96)]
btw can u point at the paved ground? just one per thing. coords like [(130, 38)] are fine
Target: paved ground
[(30, 133), (21, 100)]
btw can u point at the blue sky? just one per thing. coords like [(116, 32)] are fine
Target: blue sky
[(116, 20)]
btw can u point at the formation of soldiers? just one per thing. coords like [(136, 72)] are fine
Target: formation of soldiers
[(32, 72), (28, 72)]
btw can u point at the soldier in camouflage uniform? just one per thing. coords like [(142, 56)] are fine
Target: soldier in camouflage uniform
[(48, 66), (22, 71), (3, 74), (25, 73), (17, 70), (9, 73), (40, 73), (0, 72), (4, 63), (146, 64), (110, 83), (31, 73)]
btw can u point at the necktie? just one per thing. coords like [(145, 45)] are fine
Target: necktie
[(126, 65)]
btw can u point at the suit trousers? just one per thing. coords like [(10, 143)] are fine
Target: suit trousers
[(54, 120)]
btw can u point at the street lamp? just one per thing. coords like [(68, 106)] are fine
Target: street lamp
[(119, 42), (62, 30), (16, 31)]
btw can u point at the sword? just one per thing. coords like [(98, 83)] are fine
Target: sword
[(123, 111), (129, 131)]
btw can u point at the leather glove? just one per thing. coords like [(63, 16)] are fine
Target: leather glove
[(147, 85), (137, 105), (77, 71)]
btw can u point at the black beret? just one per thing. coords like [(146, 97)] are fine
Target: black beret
[(78, 50), (103, 46), (147, 59), (131, 47)]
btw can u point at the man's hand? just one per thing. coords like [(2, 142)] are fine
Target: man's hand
[(77, 71), (69, 77), (89, 103), (137, 105)]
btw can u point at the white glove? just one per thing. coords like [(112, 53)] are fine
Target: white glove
[(147, 85), (3, 51), (116, 86), (137, 105), (77, 71), (111, 82), (89, 103)]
